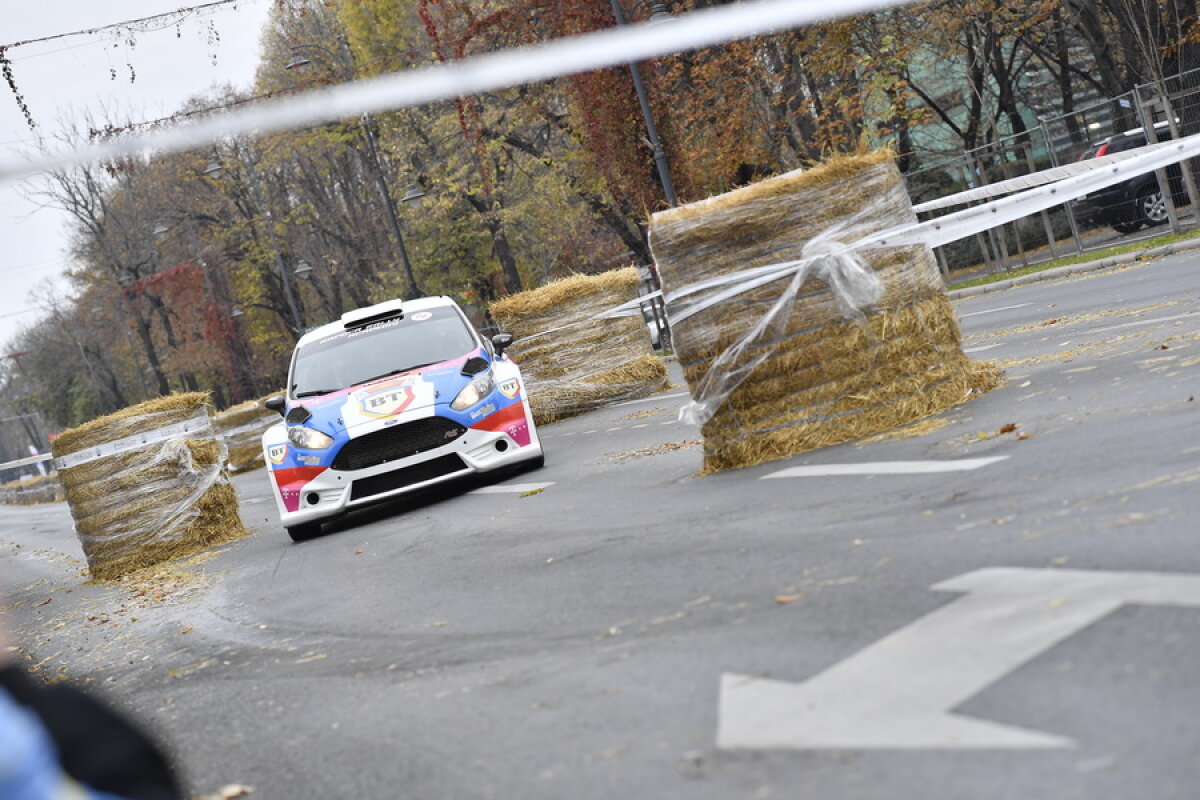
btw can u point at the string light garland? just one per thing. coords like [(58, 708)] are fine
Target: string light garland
[(6, 69), (167, 18), (154, 22)]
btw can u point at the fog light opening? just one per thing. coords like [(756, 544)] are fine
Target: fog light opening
[(501, 445), (312, 498)]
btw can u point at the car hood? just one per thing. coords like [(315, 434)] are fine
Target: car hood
[(387, 398)]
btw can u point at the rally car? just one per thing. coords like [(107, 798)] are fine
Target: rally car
[(390, 399)]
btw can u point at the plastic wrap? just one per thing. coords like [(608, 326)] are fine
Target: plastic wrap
[(791, 340), (147, 484), (240, 428), (581, 344), (853, 285)]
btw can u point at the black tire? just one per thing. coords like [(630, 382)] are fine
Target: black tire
[(301, 533), (1127, 227), (537, 463), (1150, 207)]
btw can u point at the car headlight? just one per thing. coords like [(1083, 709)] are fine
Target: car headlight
[(309, 438), (473, 392)]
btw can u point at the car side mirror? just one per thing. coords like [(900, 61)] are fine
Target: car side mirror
[(501, 342), (276, 403)]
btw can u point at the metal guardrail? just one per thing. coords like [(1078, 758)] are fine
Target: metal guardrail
[(25, 462), (1170, 109)]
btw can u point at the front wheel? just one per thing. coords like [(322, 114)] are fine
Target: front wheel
[(301, 533), (1150, 206)]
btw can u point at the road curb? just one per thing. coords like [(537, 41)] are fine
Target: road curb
[(1076, 269)]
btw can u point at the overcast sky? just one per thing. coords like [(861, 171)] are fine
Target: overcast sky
[(70, 76)]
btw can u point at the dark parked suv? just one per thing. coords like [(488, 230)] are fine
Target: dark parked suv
[(1138, 201)]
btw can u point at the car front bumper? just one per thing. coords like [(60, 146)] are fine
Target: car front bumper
[(332, 492)]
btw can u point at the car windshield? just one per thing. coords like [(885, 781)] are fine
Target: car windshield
[(375, 351)]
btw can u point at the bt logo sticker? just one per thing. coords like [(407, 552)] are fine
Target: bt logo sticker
[(510, 388), (388, 402), (277, 453)]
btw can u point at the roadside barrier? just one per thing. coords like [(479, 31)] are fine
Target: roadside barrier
[(778, 367), (833, 252), (147, 484), (571, 367)]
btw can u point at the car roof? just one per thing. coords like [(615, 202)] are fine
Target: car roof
[(337, 326)]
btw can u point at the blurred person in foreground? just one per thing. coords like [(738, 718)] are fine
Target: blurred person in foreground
[(57, 743)]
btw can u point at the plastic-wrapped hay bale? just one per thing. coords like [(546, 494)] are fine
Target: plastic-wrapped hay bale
[(240, 428), (834, 347), (572, 362), (32, 491), (147, 484)]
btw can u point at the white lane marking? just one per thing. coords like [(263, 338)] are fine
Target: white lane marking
[(593, 430), (652, 398), (885, 468), (979, 349), (511, 488), (1141, 322), (641, 425), (897, 693), (669, 422), (616, 428), (993, 310)]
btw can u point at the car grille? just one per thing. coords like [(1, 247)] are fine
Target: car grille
[(398, 441), (406, 476)]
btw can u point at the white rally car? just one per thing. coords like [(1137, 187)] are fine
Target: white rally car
[(390, 399)]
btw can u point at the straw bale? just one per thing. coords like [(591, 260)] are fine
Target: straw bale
[(572, 363), (241, 428), (151, 502), (32, 491), (564, 290), (825, 379), (165, 410)]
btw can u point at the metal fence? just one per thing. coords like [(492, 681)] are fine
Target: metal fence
[(1143, 206)]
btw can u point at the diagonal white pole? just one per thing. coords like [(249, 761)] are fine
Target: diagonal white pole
[(474, 75)]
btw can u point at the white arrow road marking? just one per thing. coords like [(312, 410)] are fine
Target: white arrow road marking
[(885, 468), (511, 488), (898, 692)]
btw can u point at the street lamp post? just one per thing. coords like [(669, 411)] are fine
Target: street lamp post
[(388, 203), (345, 66), (658, 14), (660, 155), (213, 170)]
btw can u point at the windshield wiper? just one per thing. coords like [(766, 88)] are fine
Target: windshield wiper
[(314, 393)]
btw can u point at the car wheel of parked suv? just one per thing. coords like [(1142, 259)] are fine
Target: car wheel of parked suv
[(1151, 209)]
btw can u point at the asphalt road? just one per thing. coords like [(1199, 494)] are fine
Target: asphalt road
[(1023, 622)]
